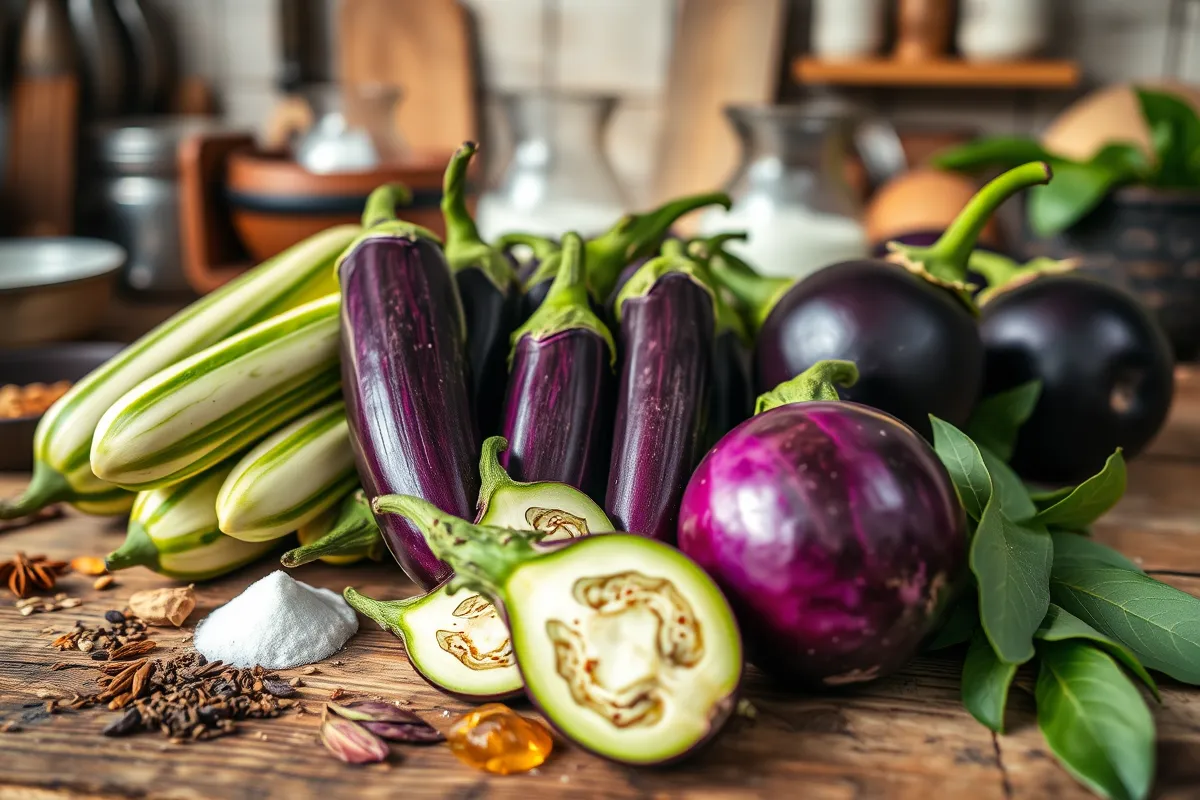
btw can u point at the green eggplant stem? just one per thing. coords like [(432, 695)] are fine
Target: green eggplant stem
[(706, 248), (756, 293), (381, 204), (384, 613), (138, 550), (482, 557), (353, 533), (45, 487), (637, 236), (946, 259), (566, 306), (541, 246), (492, 476), (460, 227), (818, 382), (996, 269)]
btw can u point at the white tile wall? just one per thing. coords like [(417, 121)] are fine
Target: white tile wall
[(623, 46)]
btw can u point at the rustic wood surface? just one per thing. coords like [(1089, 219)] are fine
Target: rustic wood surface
[(905, 737)]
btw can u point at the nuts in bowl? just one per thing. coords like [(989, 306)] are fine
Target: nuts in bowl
[(30, 400)]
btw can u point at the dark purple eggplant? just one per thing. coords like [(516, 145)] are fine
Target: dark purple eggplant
[(557, 409), (404, 377), (633, 237), (491, 295), (907, 322), (668, 322)]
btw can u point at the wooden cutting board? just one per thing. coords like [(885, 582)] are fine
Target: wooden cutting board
[(426, 48)]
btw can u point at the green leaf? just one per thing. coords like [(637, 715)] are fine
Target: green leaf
[(1175, 135), (1074, 191), (1048, 498), (996, 419), (1089, 500), (1095, 720), (1159, 623), (1014, 499), (1061, 625), (965, 464), (962, 620), (1124, 158), (1011, 562), (1073, 550), (985, 683), (1005, 152)]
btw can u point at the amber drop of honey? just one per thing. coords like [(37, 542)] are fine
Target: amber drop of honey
[(497, 739)]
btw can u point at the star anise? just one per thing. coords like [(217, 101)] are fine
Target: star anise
[(25, 574)]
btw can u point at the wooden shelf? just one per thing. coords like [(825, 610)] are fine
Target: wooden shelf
[(942, 73)]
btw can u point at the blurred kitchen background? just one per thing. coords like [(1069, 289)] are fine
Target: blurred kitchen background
[(205, 135)]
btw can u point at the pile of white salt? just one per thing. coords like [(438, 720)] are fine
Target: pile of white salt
[(276, 623)]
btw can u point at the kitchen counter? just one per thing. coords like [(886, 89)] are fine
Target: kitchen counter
[(904, 736)]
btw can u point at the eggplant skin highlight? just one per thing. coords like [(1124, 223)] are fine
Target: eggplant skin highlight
[(835, 533)]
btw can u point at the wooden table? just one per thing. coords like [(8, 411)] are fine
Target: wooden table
[(904, 736)]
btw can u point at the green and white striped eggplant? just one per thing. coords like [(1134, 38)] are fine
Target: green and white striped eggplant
[(290, 477), (340, 536), (62, 446), (220, 401), (174, 532)]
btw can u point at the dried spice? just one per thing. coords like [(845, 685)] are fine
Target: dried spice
[(350, 742), (164, 606), (125, 630), (27, 574), (36, 605), (103, 582), (88, 565), (185, 698), (389, 721)]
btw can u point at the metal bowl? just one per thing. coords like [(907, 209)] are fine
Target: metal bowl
[(52, 289), (48, 364)]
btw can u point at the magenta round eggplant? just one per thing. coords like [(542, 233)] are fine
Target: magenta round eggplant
[(836, 535)]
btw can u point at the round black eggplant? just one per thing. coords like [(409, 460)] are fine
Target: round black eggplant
[(916, 345), (1104, 363)]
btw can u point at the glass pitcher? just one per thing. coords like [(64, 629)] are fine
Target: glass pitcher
[(352, 128), (790, 193), (558, 178)]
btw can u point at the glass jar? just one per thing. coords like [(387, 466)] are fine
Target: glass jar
[(558, 178), (790, 193)]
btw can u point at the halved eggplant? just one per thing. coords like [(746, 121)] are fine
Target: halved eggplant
[(626, 646), (459, 644)]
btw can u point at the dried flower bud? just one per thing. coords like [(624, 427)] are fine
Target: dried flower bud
[(351, 742), (163, 606), (388, 721)]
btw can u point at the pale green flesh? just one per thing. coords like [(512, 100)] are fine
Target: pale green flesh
[(624, 646), (420, 624), (510, 504), (64, 435), (181, 522), (207, 407), (289, 478)]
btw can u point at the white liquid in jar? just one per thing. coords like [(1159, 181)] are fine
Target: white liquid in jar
[(790, 242), (497, 215)]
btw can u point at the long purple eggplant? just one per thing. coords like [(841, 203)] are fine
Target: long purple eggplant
[(404, 376), (668, 321), (633, 237), (490, 292), (559, 401)]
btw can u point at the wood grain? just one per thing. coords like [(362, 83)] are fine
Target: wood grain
[(904, 737), (939, 73)]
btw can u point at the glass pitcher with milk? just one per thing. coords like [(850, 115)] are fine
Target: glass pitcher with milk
[(790, 193)]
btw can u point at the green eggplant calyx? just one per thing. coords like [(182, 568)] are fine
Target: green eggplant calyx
[(138, 550), (547, 270), (818, 382), (1003, 274), (673, 261), (353, 533), (464, 247), (387, 614), (944, 263), (541, 246), (379, 218), (45, 487), (566, 306), (481, 557), (637, 236), (728, 318), (756, 294)]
